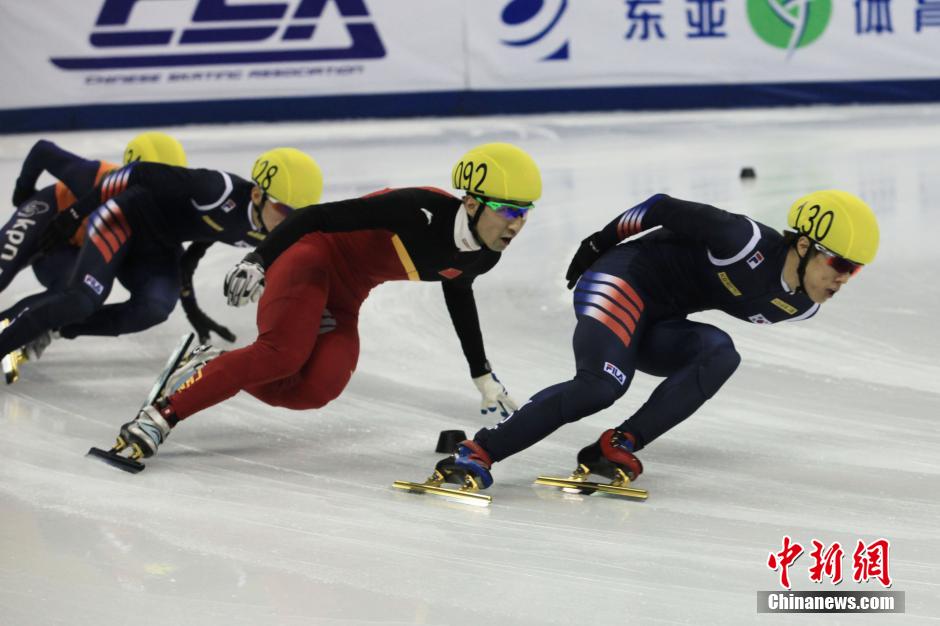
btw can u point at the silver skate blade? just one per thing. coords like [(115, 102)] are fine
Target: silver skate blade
[(114, 459), (590, 487), (175, 357)]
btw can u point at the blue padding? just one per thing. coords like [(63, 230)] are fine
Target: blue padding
[(99, 116)]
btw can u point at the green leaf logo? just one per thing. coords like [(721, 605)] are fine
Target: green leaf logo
[(789, 24)]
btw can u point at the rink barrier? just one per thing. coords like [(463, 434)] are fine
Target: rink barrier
[(465, 103)]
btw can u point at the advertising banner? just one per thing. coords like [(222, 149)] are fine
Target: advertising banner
[(122, 51), (594, 43), (100, 63)]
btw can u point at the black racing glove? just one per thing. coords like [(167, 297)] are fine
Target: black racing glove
[(60, 229), (22, 193), (203, 324), (590, 250)]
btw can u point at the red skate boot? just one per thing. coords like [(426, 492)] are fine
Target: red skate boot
[(612, 457)]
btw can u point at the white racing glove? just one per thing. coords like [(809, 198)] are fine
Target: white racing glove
[(244, 282), (494, 396)]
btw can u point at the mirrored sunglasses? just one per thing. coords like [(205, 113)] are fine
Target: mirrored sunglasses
[(838, 263)]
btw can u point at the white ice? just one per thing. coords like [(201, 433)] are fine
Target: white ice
[(257, 515)]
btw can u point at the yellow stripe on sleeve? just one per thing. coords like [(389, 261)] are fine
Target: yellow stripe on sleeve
[(405, 259)]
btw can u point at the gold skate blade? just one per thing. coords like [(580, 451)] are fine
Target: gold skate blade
[(629, 492), (11, 362), (113, 458), (468, 497), (11, 367)]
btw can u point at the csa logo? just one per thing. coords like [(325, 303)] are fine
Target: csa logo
[(532, 23), (262, 32), (611, 369)]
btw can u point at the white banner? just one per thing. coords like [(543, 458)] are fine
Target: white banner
[(68, 52), (594, 43)]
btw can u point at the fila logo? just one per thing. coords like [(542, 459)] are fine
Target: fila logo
[(92, 282), (756, 259), (759, 319), (610, 368), (262, 32)]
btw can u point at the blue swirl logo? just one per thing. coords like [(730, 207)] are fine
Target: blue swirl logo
[(530, 23)]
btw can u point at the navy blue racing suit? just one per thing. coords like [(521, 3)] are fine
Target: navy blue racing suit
[(138, 218), (631, 308)]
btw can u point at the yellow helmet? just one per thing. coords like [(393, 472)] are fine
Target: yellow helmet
[(839, 221), (289, 175), (498, 170), (155, 147)]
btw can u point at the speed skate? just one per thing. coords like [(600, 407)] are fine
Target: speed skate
[(578, 483), (12, 361), (125, 455), (451, 470)]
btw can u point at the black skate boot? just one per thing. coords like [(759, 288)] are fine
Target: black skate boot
[(34, 349)]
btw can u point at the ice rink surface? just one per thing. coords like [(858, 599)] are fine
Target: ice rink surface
[(252, 515)]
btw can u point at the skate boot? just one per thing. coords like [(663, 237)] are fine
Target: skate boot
[(610, 456), (34, 349), (469, 467), (144, 434), (190, 369)]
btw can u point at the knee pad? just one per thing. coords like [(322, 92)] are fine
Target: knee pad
[(719, 361), (278, 361), (314, 398), (587, 394), (81, 303), (70, 306), (155, 312)]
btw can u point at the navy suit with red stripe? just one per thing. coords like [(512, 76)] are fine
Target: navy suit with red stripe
[(631, 307), (138, 218), (19, 237)]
